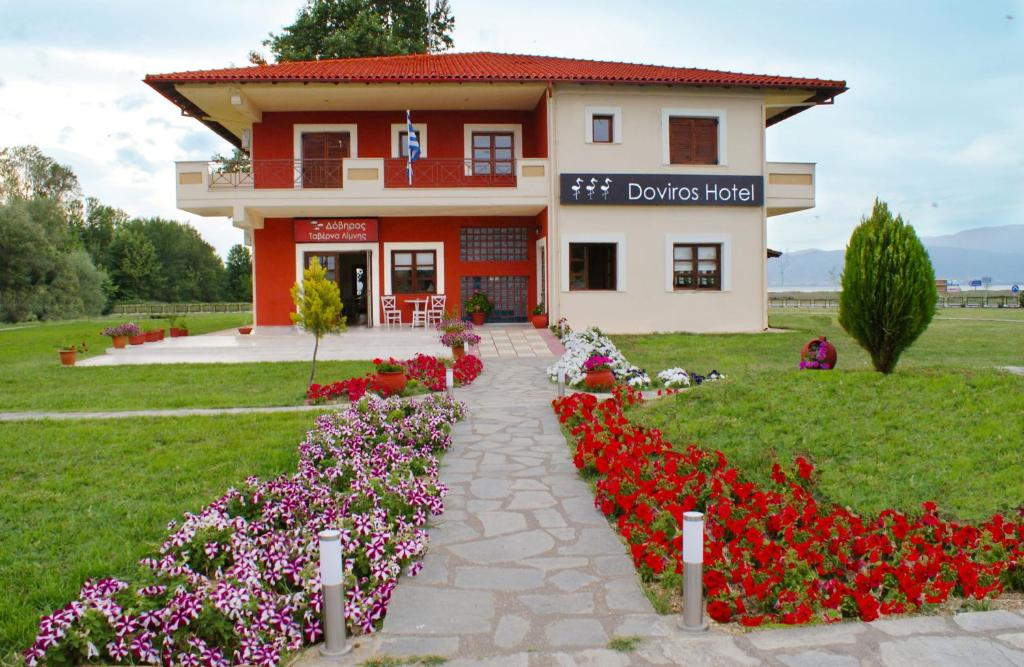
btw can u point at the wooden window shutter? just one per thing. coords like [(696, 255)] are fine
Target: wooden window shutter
[(693, 140)]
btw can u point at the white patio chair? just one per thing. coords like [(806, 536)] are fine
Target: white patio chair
[(436, 311), (419, 314), (391, 313)]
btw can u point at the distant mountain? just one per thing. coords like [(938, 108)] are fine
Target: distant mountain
[(997, 252)]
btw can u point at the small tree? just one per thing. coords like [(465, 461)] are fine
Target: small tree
[(888, 283), (319, 306)]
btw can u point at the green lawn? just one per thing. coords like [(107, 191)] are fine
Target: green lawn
[(31, 377), (89, 498), (946, 426)]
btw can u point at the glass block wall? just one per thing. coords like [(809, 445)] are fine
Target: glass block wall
[(507, 293), (493, 244)]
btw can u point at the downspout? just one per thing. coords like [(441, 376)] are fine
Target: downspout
[(764, 218), (553, 269)]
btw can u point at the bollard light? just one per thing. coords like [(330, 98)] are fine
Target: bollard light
[(693, 573), (449, 380), (561, 381), (331, 581)]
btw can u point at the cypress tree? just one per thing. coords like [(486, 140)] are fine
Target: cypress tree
[(888, 283)]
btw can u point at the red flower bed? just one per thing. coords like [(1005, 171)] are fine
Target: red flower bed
[(775, 554), (429, 371)]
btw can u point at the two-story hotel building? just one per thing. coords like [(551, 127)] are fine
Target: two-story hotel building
[(631, 197)]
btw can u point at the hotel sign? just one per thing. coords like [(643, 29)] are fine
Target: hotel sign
[(661, 190), (336, 230)]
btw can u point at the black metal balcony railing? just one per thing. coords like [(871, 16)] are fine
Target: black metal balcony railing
[(427, 173)]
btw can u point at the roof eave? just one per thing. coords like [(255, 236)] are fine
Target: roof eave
[(190, 109), (823, 96)]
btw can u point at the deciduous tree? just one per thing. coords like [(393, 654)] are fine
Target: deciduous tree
[(360, 28), (319, 307), (238, 274)]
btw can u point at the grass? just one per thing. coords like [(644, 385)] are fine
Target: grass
[(624, 644), (946, 426), (31, 377), (89, 498)]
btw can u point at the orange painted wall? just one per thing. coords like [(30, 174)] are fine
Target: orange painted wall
[(274, 261)]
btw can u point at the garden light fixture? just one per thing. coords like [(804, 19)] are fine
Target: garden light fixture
[(693, 576), (335, 641)]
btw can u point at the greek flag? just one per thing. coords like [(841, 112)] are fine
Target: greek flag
[(414, 146)]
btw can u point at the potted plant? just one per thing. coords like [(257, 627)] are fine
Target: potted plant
[(391, 375), (456, 334), (152, 335), (479, 307), (818, 354), (119, 334), (68, 352), (539, 316), (599, 373), (178, 327), (245, 331)]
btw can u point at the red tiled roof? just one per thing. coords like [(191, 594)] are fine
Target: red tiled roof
[(486, 67)]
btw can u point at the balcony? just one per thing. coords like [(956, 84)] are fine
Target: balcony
[(790, 187), (362, 186)]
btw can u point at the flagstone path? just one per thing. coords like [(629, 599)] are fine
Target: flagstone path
[(523, 571)]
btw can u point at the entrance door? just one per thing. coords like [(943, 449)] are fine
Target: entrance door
[(351, 272), (322, 155)]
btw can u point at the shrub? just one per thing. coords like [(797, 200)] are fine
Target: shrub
[(888, 282)]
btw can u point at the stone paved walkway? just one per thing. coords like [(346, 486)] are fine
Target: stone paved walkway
[(523, 571)]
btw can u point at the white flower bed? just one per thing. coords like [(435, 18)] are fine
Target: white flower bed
[(674, 378), (580, 346)]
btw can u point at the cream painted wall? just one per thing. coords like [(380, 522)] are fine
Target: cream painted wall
[(645, 304)]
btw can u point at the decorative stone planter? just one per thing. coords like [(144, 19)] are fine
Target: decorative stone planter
[(394, 381), (540, 321), (599, 380), (810, 352), (67, 357), (119, 341)]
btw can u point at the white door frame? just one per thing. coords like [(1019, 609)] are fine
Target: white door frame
[(302, 248)]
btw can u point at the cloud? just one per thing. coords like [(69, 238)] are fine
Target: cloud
[(2, 84), (133, 157), (65, 134), (130, 102), (202, 143)]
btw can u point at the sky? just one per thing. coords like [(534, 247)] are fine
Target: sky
[(933, 122)]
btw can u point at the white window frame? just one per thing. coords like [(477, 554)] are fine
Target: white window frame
[(302, 248), (515, 128), (300, 128), (725, 261), (588, 128), (436, 246), (620, 259), (396, 142), (720, 114)]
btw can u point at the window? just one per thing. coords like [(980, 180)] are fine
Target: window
[(493, 244), (403, 143), (413, 271), (692, 140), (492, 153), (602, 128), (697, 266), (592, 266)]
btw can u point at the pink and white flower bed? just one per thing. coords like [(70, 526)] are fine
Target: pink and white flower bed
[(237, 583)]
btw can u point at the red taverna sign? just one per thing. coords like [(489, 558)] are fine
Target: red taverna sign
[(336, 230)]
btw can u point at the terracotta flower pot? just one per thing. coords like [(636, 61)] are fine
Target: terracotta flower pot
[(599, 380), (152, 336), (137, 340), (175, 332), (478, 318), (245, 330), (458, 351), (67, 357), (394, 381), (119, 341), (159, 334), (830, 351), (539, 321)]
